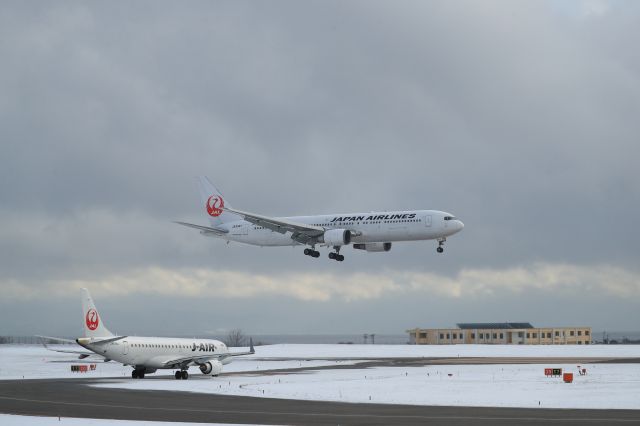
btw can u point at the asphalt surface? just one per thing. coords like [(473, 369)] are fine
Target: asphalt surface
[(74, 398)]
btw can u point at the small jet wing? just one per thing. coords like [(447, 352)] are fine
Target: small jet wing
[(279, 225), (201, 359), (204, 229)]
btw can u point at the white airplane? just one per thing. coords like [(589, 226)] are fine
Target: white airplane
[(148, 354), (373, 232)]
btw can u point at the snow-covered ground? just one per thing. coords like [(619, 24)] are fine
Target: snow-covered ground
[(412, 351), (519, 385), (604, 386), (10, 420)]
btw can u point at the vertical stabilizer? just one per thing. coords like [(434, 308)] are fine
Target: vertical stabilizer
[(213, 203), (91, 321)]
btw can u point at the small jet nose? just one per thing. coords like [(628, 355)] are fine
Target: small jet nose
[(459, 225)]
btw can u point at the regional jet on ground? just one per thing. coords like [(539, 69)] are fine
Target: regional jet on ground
[(148, 354), (373, 232)]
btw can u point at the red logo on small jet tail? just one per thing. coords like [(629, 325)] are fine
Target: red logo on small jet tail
[(92, 319), (215, 204)]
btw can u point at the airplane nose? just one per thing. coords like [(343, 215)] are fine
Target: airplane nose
[(460, 225)]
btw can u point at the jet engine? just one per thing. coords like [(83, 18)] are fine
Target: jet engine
[(373, 246), (211, 367), (336, 237)]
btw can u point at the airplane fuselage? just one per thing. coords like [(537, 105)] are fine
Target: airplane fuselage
[(155, 352), (370, 227)]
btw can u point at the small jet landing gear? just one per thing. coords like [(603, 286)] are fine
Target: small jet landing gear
[(441, 241), (137, 374), (311, 252), (336, 256), (181, 374)]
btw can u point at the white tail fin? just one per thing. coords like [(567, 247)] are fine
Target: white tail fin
[(213, 203), (91, 322)]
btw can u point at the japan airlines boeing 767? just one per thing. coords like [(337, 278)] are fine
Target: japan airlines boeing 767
[(148, 354), (373, 232)]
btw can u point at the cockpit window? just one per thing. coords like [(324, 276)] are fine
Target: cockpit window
[(449, 218)]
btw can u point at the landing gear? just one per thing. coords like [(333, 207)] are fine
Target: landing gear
[(184, 374), (178, 375), (336, 256), (441, 241), (311, 252), (137, 374)]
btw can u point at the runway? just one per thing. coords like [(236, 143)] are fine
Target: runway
[(75, 398)]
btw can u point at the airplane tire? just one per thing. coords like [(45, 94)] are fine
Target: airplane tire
[(178, 375), (439, 249), (141, 375), (134, 374), (308, 252), (185, 375), (316, 254), (340, 258), (332, 255)]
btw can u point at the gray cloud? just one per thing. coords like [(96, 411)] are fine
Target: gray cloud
[(521, 118)]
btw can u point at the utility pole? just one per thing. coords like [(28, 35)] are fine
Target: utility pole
[(365, 338), (373, 339)]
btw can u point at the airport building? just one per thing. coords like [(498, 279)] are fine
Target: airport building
[(504, 333)]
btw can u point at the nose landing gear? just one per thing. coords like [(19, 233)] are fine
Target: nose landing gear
[(441, 241)]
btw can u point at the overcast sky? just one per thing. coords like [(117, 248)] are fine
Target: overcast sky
[(521, 118)]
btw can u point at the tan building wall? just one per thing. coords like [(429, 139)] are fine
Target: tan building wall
[(525, 336)]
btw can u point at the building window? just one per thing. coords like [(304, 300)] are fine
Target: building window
[(579, 332), (481, 336), (528, 335), (520, 334), (441, 336), (473, 335), (535, 335), (448, 336), (423, 335), (455, 336), (495, 335), (461, 336), (571, 333), (502, 335), (549, 335), (557, 333), (586, 332)]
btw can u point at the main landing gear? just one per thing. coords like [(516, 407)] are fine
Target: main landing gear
[(137, 374), (441, 241), (182, 374), (311, 252), (336, 256)]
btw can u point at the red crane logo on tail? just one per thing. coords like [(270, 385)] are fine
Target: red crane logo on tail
[(92, 319), (215, 204)]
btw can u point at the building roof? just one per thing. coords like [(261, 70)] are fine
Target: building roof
[(492, 325)]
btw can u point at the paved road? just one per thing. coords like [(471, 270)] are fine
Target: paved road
[(73, 398)]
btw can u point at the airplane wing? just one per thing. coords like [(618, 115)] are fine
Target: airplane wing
[(301, 232), (200, 359), (204, 229)]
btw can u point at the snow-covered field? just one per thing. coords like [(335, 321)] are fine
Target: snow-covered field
[(413, 351), (510, 385), (604, 386)]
